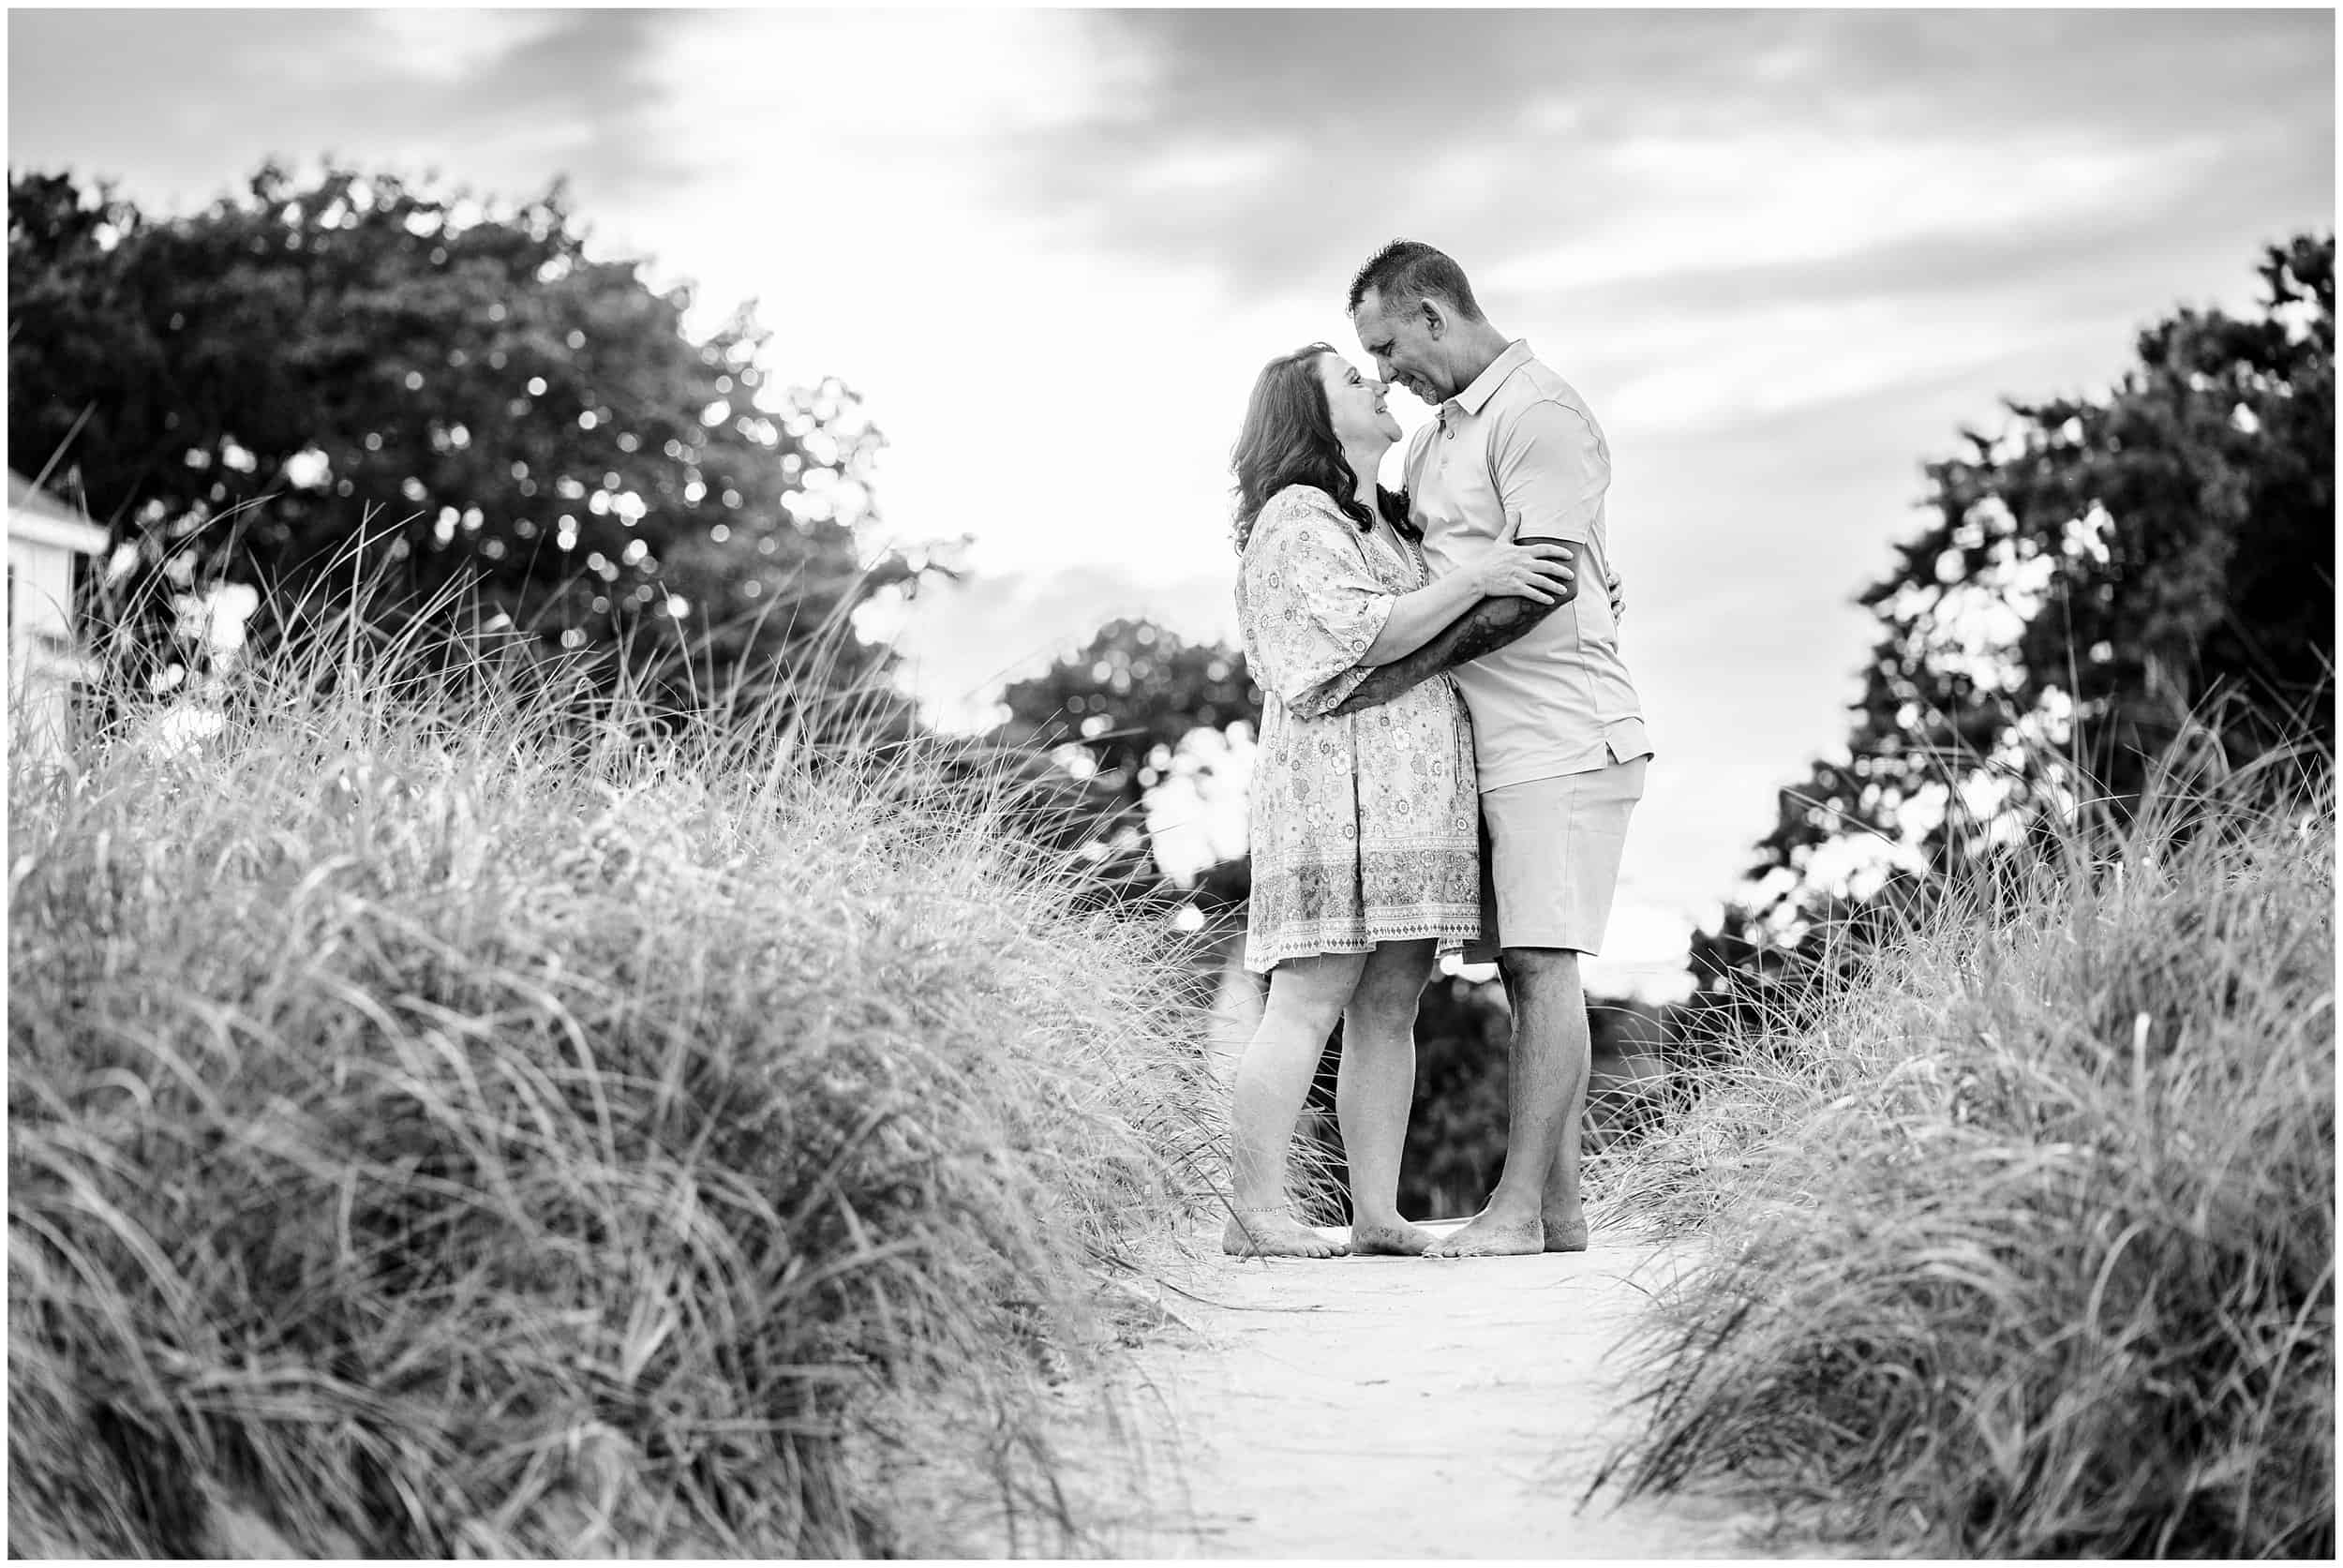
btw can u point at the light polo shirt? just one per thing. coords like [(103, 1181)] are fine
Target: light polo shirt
[(1557, 700)]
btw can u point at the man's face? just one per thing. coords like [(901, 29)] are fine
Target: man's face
[(1405, 346)]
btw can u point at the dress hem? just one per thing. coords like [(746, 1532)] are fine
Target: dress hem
[(1453, 937)]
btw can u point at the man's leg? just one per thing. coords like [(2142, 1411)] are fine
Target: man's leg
[(1375, 1089), (1606, 802), (1562, 1213), (1550, 1055)]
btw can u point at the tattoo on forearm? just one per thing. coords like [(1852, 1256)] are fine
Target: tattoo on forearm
[(1485, 628)]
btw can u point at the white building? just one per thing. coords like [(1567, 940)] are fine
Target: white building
[(46, 540)]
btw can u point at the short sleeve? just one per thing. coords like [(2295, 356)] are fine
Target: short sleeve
[(1317, 604), (1551, 465)]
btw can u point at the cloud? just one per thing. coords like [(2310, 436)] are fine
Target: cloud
[(1786, 254), (503, 100), (1846, 201), (1570, 148), (437, 48)]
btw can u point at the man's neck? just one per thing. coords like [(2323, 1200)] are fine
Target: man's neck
[(1479, 346)]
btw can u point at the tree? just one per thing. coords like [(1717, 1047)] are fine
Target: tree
[(2115, 571), (238, 392), (1113, 713), (1129, 698)]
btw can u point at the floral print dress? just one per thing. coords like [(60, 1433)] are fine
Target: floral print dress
[(1365, 826)]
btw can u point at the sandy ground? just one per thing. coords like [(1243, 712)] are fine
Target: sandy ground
[(1393, 1408), (1350, 1408)]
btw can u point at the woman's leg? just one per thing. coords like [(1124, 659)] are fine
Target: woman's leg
[(1272, 1078), (1376, 1088)]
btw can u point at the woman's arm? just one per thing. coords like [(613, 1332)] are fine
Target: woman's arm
[(1540, 573), (1485, 628)]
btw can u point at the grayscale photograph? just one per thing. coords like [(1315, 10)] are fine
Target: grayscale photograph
[(966, 782)]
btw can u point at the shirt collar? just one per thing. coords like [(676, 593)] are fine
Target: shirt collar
[(1475, 398)]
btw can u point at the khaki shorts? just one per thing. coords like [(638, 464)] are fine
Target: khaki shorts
[(1549, 858)]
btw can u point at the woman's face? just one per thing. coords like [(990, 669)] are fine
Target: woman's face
[(1356, 403)]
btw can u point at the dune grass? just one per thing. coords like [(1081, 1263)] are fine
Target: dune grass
[(438, 1127), (2028, 1249)]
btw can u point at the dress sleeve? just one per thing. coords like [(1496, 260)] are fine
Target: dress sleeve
[(1317, 603)]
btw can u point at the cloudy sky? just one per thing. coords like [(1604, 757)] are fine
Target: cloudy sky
[(1786, 256)]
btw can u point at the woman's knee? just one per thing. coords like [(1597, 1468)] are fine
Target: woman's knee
[(1313, 992), (1391, 988), (1311, 1019), (1391, 1005)]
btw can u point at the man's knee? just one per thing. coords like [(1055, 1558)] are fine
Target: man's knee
[(1538, 969), (1549, 1005)]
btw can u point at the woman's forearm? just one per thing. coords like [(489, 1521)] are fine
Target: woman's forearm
[(1419, 617)]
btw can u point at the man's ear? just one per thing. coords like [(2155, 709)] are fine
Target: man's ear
[(1435, 318)]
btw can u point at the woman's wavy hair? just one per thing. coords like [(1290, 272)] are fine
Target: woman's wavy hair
[(1289, 439)]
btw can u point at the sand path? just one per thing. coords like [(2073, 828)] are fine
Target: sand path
[(1396, 1408)]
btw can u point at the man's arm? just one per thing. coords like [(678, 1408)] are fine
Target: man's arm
[(1485, 628), (1551, 467)]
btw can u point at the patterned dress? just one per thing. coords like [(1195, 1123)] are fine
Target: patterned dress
[(1365, 826)]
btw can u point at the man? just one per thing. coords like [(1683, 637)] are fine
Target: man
[(1558, 728)]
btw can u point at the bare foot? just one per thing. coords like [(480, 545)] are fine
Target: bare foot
[(1566, 1236), (1399, 1240), (1489, 1238), (1274, 1233)]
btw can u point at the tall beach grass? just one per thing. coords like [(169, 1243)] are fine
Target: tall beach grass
[(438, 1126), (2027, 1247)]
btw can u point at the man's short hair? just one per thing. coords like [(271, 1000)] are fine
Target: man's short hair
[(1407, 270)]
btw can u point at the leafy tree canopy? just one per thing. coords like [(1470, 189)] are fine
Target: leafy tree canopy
[(236, 393), (2117, 571), (1129, 697)]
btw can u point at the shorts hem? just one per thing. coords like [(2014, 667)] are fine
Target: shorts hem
[(1488, 953)]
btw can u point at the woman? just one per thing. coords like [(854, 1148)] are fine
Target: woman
[(1365, 826)]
